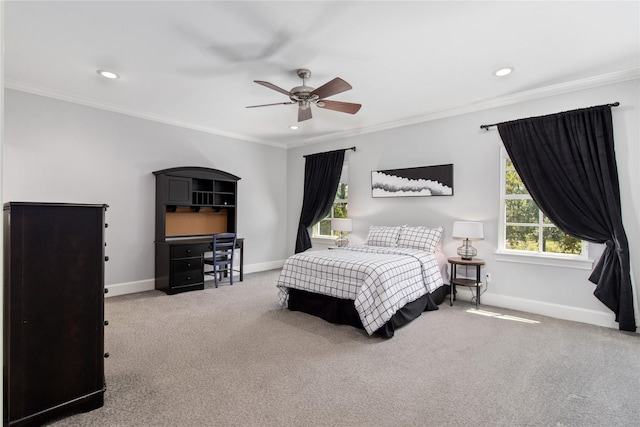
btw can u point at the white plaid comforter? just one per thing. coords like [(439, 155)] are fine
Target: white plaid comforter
[(380, 280)]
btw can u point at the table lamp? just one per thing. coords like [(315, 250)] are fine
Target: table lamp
[(343, 225), (468, 231)]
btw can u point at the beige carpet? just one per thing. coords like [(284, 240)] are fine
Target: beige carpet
[(231, 357)]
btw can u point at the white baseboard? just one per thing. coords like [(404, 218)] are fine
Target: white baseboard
[(149, 284), (130, 287), (558, 311), (263, 266)]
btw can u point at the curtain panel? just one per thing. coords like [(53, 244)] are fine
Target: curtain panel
[(567, 163), (321, 178)]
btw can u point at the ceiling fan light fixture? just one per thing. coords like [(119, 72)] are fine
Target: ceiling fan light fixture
[(505, 71), (108, 74)]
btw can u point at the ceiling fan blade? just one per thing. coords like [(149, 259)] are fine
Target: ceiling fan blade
[(304, 113), (267, 105), (331, 88), (272, 86), (343, 107)]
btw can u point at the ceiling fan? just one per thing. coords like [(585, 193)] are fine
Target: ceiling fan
[(305, 95)]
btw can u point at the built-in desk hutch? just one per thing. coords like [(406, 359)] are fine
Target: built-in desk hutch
[(192, 204)]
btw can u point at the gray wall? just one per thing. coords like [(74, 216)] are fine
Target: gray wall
[(56, 151), (60, 151), (475, 153)]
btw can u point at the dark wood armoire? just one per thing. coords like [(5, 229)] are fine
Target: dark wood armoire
[(54, 255)]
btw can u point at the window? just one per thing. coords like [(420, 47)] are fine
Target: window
[(339, 209), (524, 228)]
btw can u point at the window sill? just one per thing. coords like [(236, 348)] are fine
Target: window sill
[(554, 261), (327, 240)]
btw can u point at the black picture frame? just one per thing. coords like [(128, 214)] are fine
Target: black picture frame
[(423, 181)]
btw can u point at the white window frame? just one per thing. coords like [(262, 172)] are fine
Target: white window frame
[(581, 261)]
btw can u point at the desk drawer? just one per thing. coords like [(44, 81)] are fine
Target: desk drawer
[(186, 251), (187, 277), (186, 265)]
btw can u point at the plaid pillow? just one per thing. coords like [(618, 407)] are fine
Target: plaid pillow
[(423, 238), (381, 235)]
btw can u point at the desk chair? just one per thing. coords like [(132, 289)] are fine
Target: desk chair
[(223, 249)]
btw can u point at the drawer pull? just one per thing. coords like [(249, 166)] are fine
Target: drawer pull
[(106, 290), (106, 323), (106, 355), (106, 258)]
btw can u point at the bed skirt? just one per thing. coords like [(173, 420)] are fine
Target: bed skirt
[(343, 311)]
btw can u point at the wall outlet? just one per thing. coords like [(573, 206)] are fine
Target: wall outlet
[(487, 277)]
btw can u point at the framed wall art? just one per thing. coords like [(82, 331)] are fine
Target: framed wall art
[(413, 182)]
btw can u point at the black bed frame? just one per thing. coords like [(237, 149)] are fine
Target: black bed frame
[(343, 311)]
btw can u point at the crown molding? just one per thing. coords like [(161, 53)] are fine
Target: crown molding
[(529, 95), (23, 87)]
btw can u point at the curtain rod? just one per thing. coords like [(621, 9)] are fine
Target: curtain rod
[(345, 149), (486, 127)]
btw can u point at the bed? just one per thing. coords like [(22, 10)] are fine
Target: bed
[(379, 286)]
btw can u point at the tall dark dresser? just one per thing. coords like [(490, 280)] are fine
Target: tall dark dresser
[(54, 255)]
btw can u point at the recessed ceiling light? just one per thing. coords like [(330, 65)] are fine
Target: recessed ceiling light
[(503, 71), (108, 74), (293, 127)]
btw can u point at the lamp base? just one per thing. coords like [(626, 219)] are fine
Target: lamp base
[(466, 251), (342, 240)]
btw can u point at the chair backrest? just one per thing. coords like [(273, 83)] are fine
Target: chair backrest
[(224, 243)]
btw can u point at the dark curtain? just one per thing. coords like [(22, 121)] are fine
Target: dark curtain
[(321, 178), (567, 163)]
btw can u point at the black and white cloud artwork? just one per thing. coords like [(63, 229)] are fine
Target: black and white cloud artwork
[(413, 182)]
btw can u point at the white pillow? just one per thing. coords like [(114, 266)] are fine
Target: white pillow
[(382, 235), (420, 237)]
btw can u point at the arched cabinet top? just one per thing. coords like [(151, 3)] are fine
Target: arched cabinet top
[(197, 172)]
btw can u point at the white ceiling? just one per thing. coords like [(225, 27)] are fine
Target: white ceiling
[(193, 63)]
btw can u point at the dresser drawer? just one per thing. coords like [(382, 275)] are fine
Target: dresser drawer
[(186, 251)]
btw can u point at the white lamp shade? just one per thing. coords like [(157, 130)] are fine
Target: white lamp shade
[(467, 230), (341, 224)]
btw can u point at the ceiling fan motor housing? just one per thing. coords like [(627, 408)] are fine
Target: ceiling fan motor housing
[(303, 93)]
